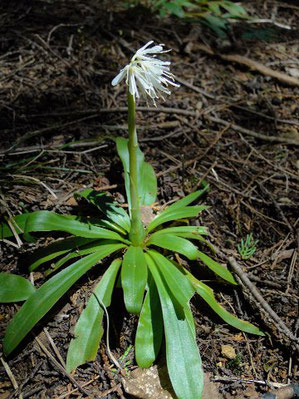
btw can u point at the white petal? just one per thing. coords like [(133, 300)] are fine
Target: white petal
[(142, 82), (119, 77), (132, 84), (155, 49), (144, 47)]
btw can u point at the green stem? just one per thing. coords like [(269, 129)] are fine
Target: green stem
[(137, 231)]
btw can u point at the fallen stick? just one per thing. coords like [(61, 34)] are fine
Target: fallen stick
[(261, 301), (255, 65)]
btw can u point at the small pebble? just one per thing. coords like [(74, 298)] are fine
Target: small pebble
[(228, 351)]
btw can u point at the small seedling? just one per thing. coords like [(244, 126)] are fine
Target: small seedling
[(247, 247), (125, 363)]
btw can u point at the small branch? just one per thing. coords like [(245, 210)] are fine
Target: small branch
[(269, 21), (259, 298), (60, 368), (254, 65), (11, 376), (37, 181), (240, 129)]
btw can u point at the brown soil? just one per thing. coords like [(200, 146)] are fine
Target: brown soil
[(235, 127)]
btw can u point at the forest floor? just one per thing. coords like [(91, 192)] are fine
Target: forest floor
[(233, 122)]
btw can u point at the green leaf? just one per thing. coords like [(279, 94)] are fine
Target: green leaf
[(147, 185), (177, 230), (56, 249), (60, 262), (14, 288), (182, 354), (235, 10), (109, 208), (88, 331), (217, 268), (150, 329), (207, 294), (188, 199), (175, 10), (190, 319), (39, 303), (86, 250), (198, 237), (50, 221), (175, 244), (133, 278), (175, 214), (180, 286), (147, 182), (218, 24)]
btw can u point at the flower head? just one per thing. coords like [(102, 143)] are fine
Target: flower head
[(146, 75)]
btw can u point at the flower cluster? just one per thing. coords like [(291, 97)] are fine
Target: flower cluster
[(146, 74)]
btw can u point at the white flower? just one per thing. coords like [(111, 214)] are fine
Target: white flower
[(146, 74)]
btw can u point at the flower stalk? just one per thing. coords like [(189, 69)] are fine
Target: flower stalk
[(137, 231)]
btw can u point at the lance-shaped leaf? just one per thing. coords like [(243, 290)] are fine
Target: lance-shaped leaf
[(88, 331), (50, 221), (108, 208), (147, 181), (94, 246), (221, 271), (190, 319), (176, 214), (54, 267), (56, 249), (177, 230), (14, 288), (147, 192), (39, 303), (150, 328), (188, 199), (175, 244), (207, 294), (134, 278), (182, 354), (198, 237), (177, 281)]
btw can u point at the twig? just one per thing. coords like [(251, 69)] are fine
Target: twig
[(248, 132), (277, 207), (60, 368), (259, 298), (195, 88), (269, 21), (292, 269), (48, 129), (55, 349), (240, 59), (241, 380), (76, 389), (37, 181), (8, 242), (11, 376), (191, 161), (207, 172), (16, 235)]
